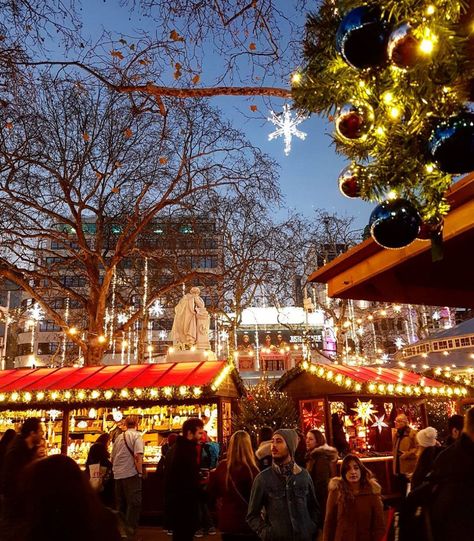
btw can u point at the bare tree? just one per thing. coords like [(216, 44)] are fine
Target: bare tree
[(84, 180)]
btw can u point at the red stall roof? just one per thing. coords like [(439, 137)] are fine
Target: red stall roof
[(123, 382), (375, 380)]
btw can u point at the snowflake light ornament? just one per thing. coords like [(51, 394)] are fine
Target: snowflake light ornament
[(122, 318), (399, 342), (286, 126), (156, 309), (36, 312)]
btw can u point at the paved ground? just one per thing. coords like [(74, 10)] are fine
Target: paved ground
[(150, 533)]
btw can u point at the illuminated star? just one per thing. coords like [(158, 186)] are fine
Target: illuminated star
[(286, 126), (364, 410), (380, 424), (156, 309)]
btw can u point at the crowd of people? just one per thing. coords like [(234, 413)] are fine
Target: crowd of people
[(271, 493)]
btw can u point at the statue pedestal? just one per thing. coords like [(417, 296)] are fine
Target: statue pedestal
[(188, 355), (202, 327)]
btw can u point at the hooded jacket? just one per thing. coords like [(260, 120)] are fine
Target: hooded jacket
[(358, 519), (291, 509), (264, 454), (321, 465)]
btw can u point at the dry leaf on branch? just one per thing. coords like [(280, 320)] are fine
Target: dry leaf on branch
[(9, 125), (253, 108), (117, 54), (252, 46), (196, 79), (175, 36), (163, 160), (99, 175), (85, 136), (128, 132)]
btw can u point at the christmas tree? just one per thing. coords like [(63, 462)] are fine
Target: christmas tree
[(395, 76), (264, 406)]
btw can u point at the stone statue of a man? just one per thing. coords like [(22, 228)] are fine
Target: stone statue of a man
[(191, 322)]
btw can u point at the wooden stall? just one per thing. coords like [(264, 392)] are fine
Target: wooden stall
[(78, 404), (359, 404)]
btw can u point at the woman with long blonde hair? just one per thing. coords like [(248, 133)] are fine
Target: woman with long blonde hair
[(230, 483)]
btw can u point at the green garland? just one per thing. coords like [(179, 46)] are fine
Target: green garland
[(392, 157)]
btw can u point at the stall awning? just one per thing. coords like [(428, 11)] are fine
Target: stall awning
[(167, 381), (370, 272), (372, 380)]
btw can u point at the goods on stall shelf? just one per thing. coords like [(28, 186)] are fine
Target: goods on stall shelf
[(85, 425)]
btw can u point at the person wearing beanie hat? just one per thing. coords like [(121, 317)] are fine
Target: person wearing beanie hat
[(286, 493), (427, 437), (428, 450)]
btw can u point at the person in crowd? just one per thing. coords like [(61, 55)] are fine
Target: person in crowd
[(452, 508), (99, 456), (283, 506), (58, 504), (264, 451), (170, 441), (182, 482), (19, 454), (208, 456), (354, 510), (231, 484), (455, 428), (428, 449), (300, 453), (127, 467), (7, 438), (338, 435), (321, 462), (404, 452), (40, 450)]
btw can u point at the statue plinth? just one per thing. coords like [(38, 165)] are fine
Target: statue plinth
[(202, 324), (189, 355)]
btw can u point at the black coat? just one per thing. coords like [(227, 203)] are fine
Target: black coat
[(452, 508), (18, 456), (424, 465), (182, 487)]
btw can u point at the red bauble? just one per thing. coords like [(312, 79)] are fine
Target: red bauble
[(403, 47), (354, 121), (430, 229), (350, 182)]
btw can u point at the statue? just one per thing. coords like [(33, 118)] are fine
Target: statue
[(191, 322)]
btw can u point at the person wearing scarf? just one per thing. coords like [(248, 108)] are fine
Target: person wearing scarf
[(285, 493)]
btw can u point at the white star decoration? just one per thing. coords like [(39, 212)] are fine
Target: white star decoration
[(286, 126), (364, 410), (399, 342), (380, 424)]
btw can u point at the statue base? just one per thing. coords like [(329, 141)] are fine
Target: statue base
[(186, 355)]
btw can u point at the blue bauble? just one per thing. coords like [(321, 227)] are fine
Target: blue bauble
[(451, 144), (395, 223), (362, 37)]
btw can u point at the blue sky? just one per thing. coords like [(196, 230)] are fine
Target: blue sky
[(308, 175)]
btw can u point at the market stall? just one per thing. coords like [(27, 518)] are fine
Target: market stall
[(355, 406), (78, 404)]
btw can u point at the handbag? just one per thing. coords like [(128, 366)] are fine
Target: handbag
[(96, 476)]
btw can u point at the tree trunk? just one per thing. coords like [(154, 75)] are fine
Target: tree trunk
[(94, 355)]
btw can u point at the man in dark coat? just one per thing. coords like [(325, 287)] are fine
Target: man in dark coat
[(182, 486), (283, 506), (19, 454), (452, 509)]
